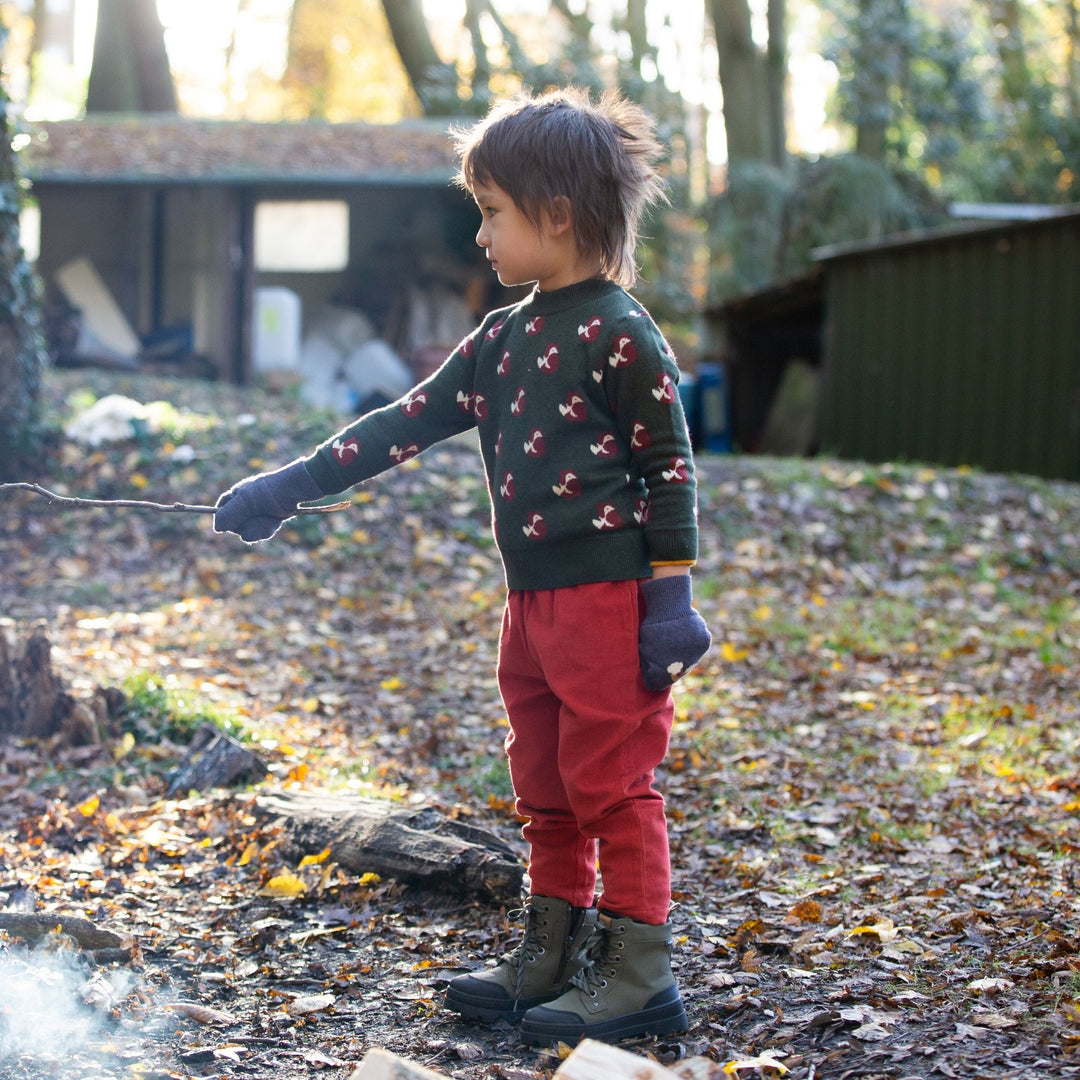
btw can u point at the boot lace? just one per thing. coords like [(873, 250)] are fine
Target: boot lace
[(532, 946), (603, 954)]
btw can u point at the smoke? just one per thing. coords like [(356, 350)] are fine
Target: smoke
[(51, 1004)]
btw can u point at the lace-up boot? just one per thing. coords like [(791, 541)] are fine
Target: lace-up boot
[(538, 970), (626, 989)]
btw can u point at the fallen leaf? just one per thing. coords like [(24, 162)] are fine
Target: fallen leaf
[(201, 1014)]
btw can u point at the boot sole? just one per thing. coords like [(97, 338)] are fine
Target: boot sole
[(663, 1015), (484, 1009)]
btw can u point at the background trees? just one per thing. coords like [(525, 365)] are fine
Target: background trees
[(22, 353), (928, 102)]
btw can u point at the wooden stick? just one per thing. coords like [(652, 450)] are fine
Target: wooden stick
[(143, 504)]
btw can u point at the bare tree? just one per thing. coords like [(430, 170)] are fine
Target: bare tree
[(752, 81), (22, 353), (130, 70), (435, 82)]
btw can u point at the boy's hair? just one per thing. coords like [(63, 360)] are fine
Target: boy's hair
[(600, 156)]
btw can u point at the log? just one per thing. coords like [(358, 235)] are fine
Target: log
[(421, 847), (33, 927), (214, 759)]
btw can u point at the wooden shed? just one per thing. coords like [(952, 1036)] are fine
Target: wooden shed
[(953, 346), (164, 209)]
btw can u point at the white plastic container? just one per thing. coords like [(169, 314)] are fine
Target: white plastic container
[(276, 340)]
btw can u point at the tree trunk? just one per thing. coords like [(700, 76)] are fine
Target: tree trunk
[(776, 80), (130, 69), (742, 82), (881, 59), (435, 83), (421, 847), (22, 349), (1009, 34), (1072, 72)]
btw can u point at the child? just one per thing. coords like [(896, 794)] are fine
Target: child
[(589, 471)]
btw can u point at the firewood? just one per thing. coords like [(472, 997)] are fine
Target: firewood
[(593, 1060), (379, 1064)]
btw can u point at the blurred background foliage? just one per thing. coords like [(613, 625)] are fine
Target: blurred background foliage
[(792, 123)]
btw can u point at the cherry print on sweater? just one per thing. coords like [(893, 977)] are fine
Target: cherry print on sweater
[(590, 331), (568, 487), (413, 404), (549, 360), (534, 325), (574, 406), (346, 451)]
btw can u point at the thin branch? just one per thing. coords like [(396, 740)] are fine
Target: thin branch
[(143, 504)]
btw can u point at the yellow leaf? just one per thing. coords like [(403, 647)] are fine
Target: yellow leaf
[(731, 654), (283, 885), (124, 746), (298, 773), (137, 480), (884, 929), (393, 683), (762, 1061), (310, 705), (249, 853), (89, 807), (314, 860), (247, 588), (370, 879), (763, 612)]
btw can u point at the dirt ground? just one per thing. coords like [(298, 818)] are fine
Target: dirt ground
[(873, 786)]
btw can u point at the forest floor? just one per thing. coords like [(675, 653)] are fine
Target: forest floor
[(873, 783)]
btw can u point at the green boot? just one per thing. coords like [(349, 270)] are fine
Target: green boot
[(627, 990), (538, 970)]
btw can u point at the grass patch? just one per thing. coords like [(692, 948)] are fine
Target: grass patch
[(156, 710)]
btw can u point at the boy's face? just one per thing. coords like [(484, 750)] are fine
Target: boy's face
[(518, 251)]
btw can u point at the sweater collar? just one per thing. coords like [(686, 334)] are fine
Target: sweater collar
[(581, 292)]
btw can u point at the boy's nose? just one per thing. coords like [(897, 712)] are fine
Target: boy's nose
[(481, 237)]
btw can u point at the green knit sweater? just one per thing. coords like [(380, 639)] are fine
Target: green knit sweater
[(584, 442)]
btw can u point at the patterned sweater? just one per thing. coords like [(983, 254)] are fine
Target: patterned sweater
[(582, 433)]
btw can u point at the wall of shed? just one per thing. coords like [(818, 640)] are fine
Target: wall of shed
[(961, 352)]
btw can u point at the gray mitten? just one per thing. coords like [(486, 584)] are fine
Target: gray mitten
[(672, 637), (255, 508)]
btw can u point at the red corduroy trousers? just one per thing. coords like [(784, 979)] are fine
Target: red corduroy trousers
[(585, 739)]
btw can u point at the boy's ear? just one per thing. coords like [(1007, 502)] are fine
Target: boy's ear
[(561, 214)]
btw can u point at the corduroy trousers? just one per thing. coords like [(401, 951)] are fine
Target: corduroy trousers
[(585, 739)]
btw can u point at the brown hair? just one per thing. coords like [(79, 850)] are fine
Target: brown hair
[(600, 156)]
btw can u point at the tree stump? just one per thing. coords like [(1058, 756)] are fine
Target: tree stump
[(421, 847), (33, 701)]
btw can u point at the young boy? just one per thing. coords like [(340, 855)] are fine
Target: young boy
[(589, 470)]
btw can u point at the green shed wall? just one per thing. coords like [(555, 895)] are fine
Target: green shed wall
[(958, 351)]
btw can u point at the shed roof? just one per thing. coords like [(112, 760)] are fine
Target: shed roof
[(178, 150), (946, 233)]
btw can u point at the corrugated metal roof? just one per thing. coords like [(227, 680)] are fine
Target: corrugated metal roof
[(168, 149)]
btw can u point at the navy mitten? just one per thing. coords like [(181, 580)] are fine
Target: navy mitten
[(672, 637), (255, 508)]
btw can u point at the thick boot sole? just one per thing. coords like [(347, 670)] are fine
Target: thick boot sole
[(480, 1006), (663, 1015)]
